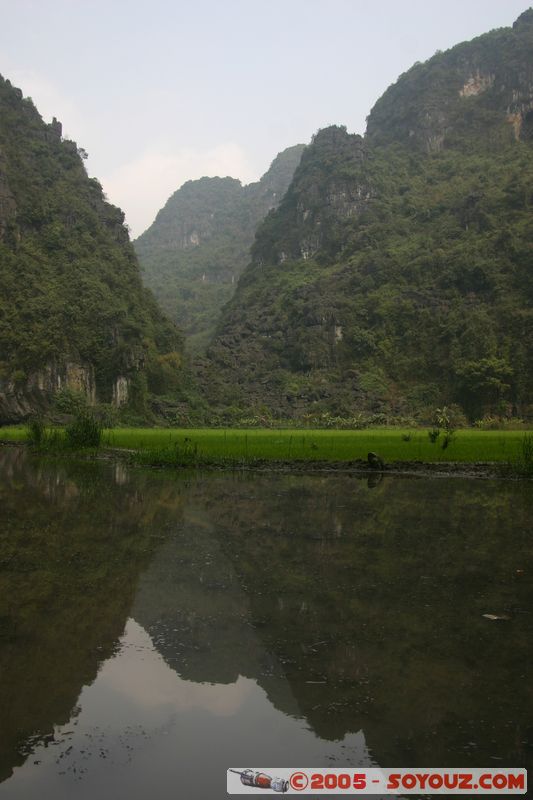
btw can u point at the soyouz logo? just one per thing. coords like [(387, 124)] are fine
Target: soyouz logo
[(354, 781)]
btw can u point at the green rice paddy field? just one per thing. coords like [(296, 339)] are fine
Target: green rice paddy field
[(392, 444)]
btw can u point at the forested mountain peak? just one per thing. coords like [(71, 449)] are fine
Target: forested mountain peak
[(193, 213), (524, 20), (73, 311), (327, 188), (396, 273), (483, 86), (195, 250)]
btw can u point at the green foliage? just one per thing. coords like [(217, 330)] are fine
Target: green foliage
[(107, 415), (174, 455), (42, 437), (527, 454), (522, 462), (68, 401), (307, 444), (447, 419), (164, 373), (198, 246), (36, 431), (71, 288), (395, 276), (19, 377), (84, 431), (496, 423)]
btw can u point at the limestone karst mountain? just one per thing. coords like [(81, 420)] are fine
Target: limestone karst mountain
[(73, 311), (396, 273), (197, 247)]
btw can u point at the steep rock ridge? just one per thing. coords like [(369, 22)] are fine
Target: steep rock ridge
[(197, 247), (194, 214), (395, 275), (280, 324), (479, 85), (318, 200), (73, 311)]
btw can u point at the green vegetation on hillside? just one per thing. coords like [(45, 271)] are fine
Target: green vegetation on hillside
[(198, 246), (70, 283), (396, 275)]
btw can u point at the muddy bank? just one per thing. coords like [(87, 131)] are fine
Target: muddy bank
[(441, 469), (444, 469)]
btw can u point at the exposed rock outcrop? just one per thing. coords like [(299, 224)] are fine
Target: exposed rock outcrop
[(23, 397), (490, 78)]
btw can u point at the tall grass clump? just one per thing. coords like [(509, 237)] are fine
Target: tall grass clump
[(42, 437), (524, 463), (36, 431), (84, 431), (173, 455)]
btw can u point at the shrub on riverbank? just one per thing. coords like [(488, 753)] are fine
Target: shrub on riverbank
[(83, 431), (524, 463)]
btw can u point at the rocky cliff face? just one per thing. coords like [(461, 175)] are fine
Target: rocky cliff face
[(486, 85), (395, 275), (19, 400), (197, 247), (73, 312), (197, 212), (318, 201)]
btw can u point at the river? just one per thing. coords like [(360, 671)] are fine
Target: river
[(158, 627)]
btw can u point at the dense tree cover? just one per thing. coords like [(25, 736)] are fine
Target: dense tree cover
[(460, 92), (396, 274), (197, 247), (70, 286)]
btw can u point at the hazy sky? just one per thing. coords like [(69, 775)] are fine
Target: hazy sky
[(160, 92)]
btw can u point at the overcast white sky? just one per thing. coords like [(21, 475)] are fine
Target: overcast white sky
[(164, 91)]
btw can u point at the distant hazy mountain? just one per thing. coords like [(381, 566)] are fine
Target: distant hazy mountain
[(199, 244)]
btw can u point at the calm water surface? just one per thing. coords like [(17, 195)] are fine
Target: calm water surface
[(156, 628)]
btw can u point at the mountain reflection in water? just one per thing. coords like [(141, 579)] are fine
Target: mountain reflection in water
[(156, 628)]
